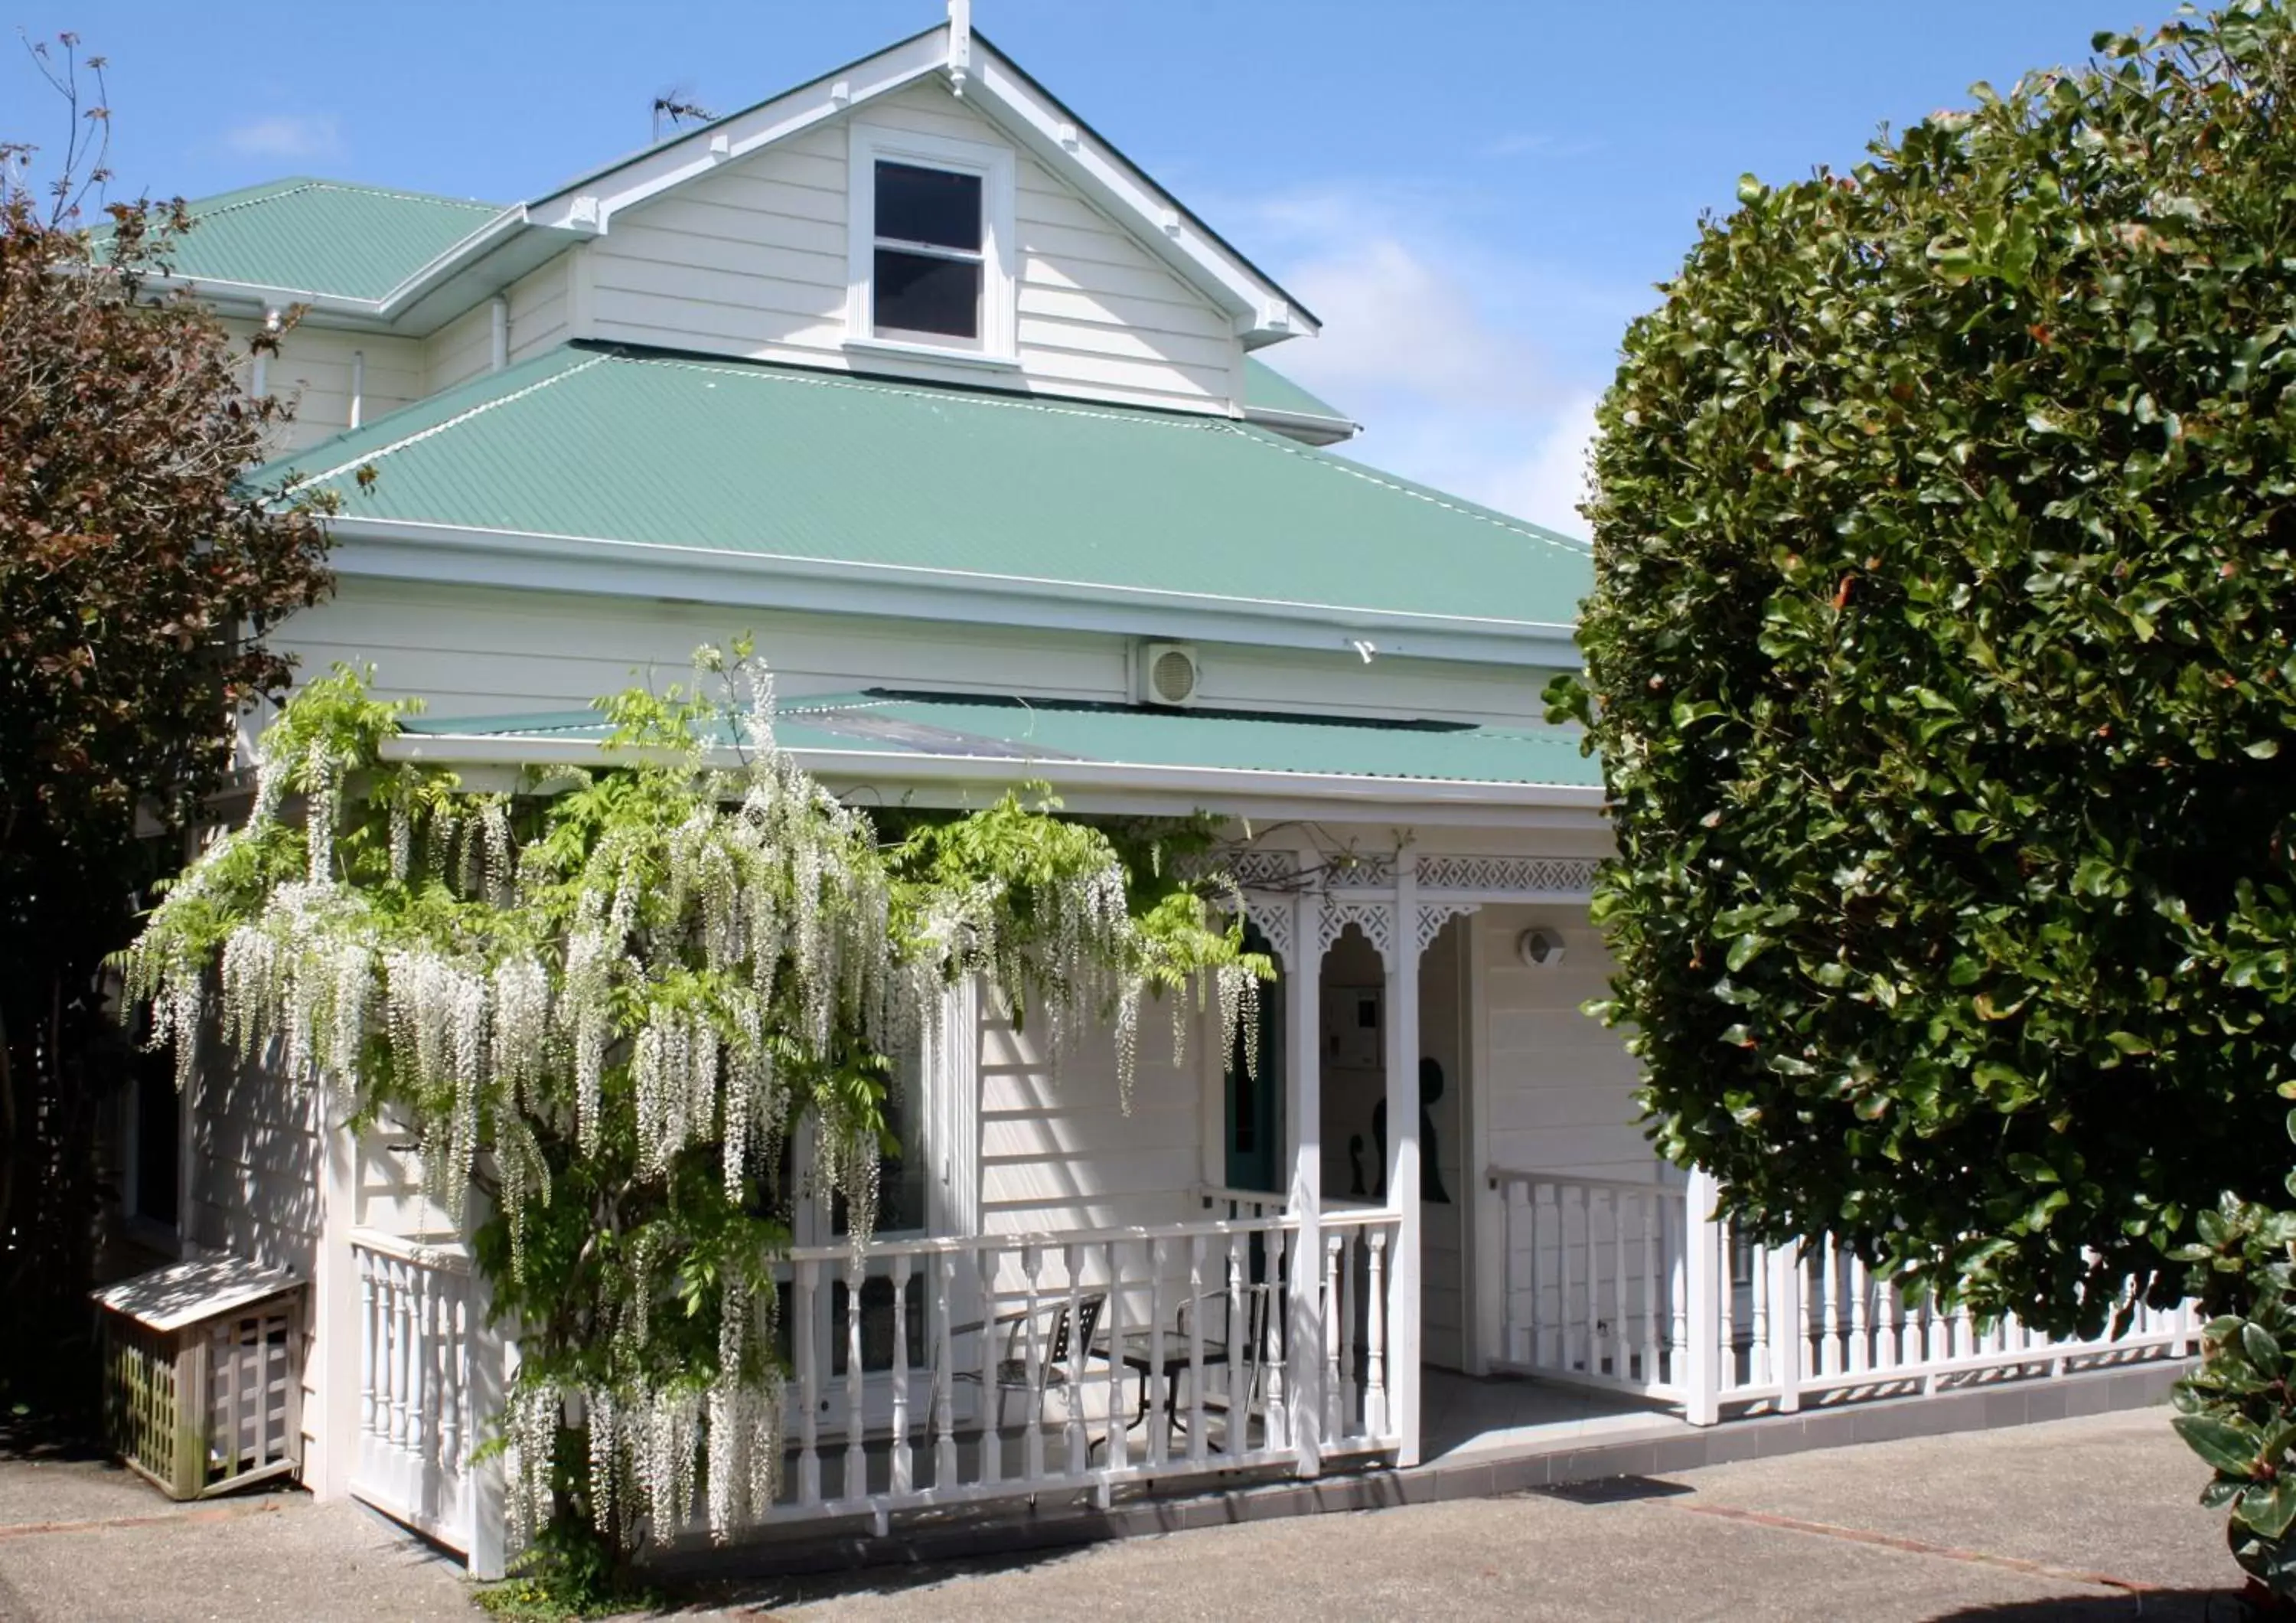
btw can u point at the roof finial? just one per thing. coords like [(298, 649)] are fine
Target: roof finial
[(960, 45)]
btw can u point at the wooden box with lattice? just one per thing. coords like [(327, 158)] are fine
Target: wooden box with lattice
[(203, 1374)]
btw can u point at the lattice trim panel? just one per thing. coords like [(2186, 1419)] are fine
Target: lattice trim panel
[(1434, 915), (1355, 872), (1264, 870), (1376, 919), (1505, 877), (1273, 916)]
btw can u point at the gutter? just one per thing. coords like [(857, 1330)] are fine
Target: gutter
[(1309, 426), (484, 749)]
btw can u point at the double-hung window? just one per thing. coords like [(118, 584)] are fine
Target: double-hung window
[(931, 232)]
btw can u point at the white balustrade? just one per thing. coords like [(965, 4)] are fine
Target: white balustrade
[(418, 1321), (1019, 1365), (1596, 1290), (1622, 1285)]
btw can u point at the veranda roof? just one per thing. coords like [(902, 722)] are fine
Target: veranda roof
[(1015, 738), (593, 445)]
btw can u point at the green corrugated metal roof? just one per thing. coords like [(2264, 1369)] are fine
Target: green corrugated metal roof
[(1044, 733), (1265, 389), (322, 236), (742, 457)]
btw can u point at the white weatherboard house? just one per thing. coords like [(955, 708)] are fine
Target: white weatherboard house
[(911, 373)]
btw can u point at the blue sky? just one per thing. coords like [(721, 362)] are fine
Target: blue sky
[(1475, 197)]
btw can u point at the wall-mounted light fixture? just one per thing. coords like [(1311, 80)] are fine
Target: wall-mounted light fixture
[(1540, 947)]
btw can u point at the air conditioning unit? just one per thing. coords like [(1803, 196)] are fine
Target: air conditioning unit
[(1167, 673)]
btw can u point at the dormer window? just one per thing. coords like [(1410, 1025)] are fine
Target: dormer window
[(926, 279), (931, 220)]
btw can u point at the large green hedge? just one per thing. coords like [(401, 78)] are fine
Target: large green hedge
[(1939, 661)]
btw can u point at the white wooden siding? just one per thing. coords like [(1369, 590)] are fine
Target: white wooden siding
[(258, 1172), (1557, 1085), (540, 314), (460, 350), (483, 651), (752, 260), (471, 652), (1058, 1151), (541, 308), (313, 369), (256, 1163)]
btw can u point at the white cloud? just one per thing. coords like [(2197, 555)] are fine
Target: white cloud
[(1547, 486), (1473, 371), (1394, 320), (286, 135)]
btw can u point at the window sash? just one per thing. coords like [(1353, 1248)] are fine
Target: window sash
[(932, 250), (995, 334)]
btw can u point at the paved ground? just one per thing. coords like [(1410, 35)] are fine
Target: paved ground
[(82, 1542), (2083, 1518)]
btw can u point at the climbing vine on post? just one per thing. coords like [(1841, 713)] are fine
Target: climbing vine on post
[(607, 998)]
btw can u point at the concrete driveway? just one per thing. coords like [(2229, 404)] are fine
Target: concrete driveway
[(2081, 1518), (2090, 1518)]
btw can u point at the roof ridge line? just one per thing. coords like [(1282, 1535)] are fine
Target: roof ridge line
[(460, 418), (407, 196), (286, 189)]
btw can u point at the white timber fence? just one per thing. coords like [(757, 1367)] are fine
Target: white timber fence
[(431, 1379), (1638, 1287)]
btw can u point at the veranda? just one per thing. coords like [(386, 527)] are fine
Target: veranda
[(1234, 1280)]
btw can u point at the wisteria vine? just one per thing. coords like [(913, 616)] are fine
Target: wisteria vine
[(607, 998)]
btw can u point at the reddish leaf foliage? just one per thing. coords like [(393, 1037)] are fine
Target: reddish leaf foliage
[(137, 571)]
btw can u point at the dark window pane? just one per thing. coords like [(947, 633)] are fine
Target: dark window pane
[(900, 1173), (917, 293), (157, 1125), (916, 205)]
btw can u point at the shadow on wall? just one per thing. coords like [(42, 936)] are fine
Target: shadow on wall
[(258, 1161)]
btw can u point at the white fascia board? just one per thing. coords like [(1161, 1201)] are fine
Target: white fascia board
[(399, 549), (591, 203), (1009, 100), (1217, 787), (1264, 311), (496, 231)]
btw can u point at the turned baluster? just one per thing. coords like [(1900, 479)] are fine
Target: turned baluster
[(902, 1463), (1032, 1443), (856, 1453), (1375, 1335), (944, 1417), (804, 1346), (992, 1398), (1073, 1256)]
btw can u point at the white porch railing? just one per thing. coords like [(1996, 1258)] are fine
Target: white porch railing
[(418, 1319), (935, 1371), (1634, 1286)]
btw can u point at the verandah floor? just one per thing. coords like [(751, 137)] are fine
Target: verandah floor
[(1463, 1417)]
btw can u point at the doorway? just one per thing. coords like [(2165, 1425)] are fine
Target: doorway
[(1254, 1109), (1353, 1085)]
